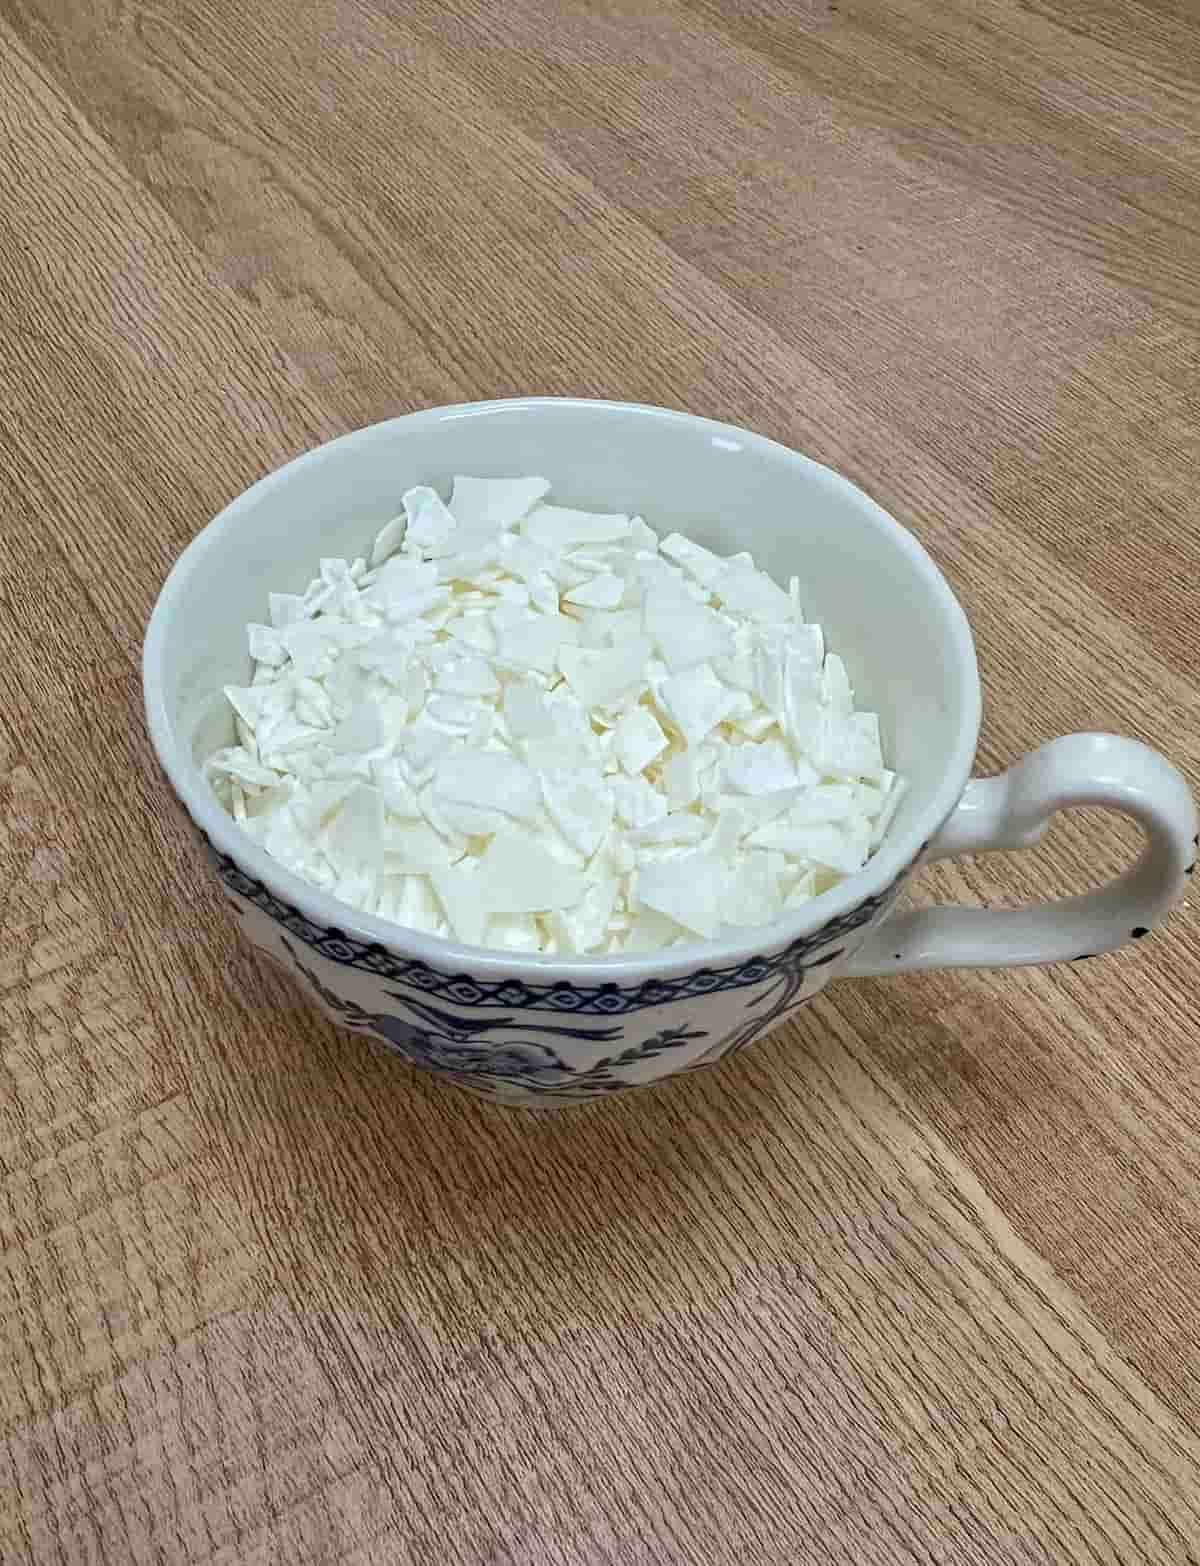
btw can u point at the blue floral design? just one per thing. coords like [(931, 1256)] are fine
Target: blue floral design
[(467, 1049), (460, 1048), (790, 975)]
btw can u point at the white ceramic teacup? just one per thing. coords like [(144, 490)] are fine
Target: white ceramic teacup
[(542, 1031)]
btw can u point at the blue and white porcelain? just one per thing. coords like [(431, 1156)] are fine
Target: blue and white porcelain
[(552, 1040), (540, 1031)]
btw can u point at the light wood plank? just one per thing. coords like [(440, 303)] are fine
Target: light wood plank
[(916, 1279)]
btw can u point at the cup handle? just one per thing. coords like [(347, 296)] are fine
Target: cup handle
[(1013, 810)]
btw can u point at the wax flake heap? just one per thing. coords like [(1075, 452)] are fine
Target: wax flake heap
[(534, 728)]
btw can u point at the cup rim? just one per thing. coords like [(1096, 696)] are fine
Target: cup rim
[(886, 865)]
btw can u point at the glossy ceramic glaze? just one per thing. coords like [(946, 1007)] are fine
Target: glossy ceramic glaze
[(542, 1031)]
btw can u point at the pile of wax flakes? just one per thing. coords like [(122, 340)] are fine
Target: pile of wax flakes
[(545, 730)]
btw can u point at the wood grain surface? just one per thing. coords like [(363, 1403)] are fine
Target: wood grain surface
[(916, 1280)]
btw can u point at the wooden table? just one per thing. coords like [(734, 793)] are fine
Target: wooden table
[(914, 1281)]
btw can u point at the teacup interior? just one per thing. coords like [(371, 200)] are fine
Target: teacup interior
[(882, 604)]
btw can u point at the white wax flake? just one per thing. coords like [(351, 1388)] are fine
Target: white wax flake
[(700, 563), (454, 714), (468, 821), (571, 753), (312, 704), (501, 502), (399, 797), (689, 890), (621, 857), (457, 887), (752, 894), (361, 731), (736, 671), (804, 716), (561, 529), (438, 818), (469, 554), (517, 875), (315, 595), (515, 933), (416, 906), (650, 931), (813, 807), (526, 713), (467, 677), (584, 927), (474, 629), (805, 650), (601, 676), (281, 729), (525, 558), (602, 592), (266, 801), (489, 780), (543, 593), (354, 837), (725, 841), (292, 746), (401, 577), (638, 739), (678, 827), (598, 628), (696, 702), (755, 727), (431, 528), (266, 645), (769, 658), (535, 642), (637, 802), (413, 847), (746, 591), (237, 801), (685, 632), (581, 808), (760, 769), (265, 675), (406, 590), (835, 686), (802, 892), (584, 565), (828, 845), (681, 778), (337, 573), (848, 746), (313, 645), (237, 762), (388, 539), (896, 788), (513, 607), (251, 702), (289, 842), (359, 886), (533, 728), (694, 637), (422, 748)]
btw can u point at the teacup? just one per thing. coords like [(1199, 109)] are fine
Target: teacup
[(542, 1031)]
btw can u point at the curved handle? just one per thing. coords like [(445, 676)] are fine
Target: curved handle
[(1013, 810)]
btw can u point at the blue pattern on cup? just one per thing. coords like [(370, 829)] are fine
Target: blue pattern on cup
[(499, 1040)]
